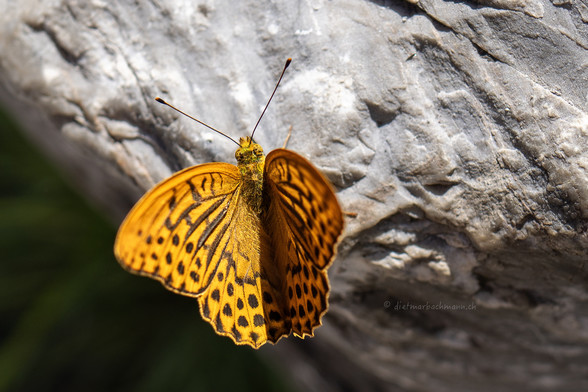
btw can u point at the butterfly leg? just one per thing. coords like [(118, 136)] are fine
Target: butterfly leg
[(287, 137)]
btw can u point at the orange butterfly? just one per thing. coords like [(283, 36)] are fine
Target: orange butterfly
[(252, 242)]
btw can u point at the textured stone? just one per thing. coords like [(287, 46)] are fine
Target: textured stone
[(457, 132)]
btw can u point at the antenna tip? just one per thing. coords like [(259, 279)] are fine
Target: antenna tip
[(160, 100), (288, 62)]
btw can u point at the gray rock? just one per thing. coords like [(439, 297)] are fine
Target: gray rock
[(456, 131)]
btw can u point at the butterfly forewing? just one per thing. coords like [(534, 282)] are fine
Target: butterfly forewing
[(172, 233), (304, 208)]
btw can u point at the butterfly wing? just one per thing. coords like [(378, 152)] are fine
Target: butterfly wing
[(178, 229), (196, 235), (304, 221)]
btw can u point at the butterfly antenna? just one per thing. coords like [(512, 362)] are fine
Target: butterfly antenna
[(270, 98), (195, 119)]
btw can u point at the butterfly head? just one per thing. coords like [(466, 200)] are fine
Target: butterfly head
[(248, 151)]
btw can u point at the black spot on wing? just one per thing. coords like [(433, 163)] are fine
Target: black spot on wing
[(242, 321), (253, 301), (258, 320), (275, 316), (267, 297)]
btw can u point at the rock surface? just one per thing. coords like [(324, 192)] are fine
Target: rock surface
[(457, 132)]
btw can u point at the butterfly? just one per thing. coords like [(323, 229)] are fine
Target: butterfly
[(251, 242)]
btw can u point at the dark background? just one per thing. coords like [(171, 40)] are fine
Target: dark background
[(71, 319)]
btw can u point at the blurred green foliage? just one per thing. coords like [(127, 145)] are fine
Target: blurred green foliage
[(71, 319)]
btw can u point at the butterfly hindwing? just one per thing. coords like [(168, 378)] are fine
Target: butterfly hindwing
[(304, 206), (233, 303)]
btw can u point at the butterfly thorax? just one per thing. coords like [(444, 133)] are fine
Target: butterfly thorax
[(251, 161)]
